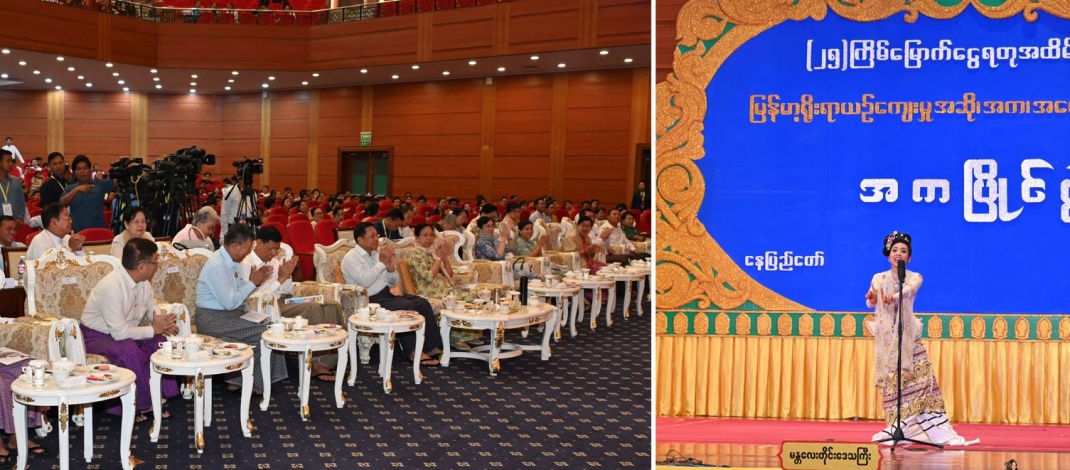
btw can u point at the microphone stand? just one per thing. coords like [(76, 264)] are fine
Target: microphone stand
[(897, 431)]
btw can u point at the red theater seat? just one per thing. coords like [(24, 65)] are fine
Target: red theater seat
[(326, 232), (423, 6), (444, 4), (206, 17), (406, 7), (349, 223), (643, 226), (97, 234), (388, 9), (303, 241)]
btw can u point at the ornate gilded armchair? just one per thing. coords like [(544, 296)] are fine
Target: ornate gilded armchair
[(58, 284)]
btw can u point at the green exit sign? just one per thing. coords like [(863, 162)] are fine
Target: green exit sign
[(365, 139)]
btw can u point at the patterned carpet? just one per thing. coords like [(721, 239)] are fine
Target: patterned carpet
[(588, 406)]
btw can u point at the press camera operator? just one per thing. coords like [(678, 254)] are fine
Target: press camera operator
[(239, 199)]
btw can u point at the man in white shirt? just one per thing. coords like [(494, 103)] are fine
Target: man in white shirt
[(221, 295), (57, 233), (232, 196), (265, 253), (8, 227), (611, 234), (111, 321), (542, 211), (9, 145), (376, 270)]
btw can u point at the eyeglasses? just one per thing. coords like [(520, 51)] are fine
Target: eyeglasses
[(154, 263)]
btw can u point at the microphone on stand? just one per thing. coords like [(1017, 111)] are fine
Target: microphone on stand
[(901, 268)]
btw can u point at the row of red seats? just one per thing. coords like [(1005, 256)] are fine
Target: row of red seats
[(299, 5)]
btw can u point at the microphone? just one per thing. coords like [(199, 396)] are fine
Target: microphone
[(901, 268)]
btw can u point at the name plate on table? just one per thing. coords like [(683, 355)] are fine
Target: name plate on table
[(813, 455), (300, 300)]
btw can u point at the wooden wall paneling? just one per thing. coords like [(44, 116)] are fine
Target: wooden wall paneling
[(128, 40), (97, 125), (56, 140), (588, 16), (522, 145), (139, 125), (621, 22), (265, 137), (70, 31), (313, 139), (25, 119), (177, 121), (557, 136), (463, 33), (424, 25), (230, 47), (289, 133), (422, 153), (543, 26), (639, 128), (487, 168), (240, 132), (340, 123), (597, 147), (364, 43)]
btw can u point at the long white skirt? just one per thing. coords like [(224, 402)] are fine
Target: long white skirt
[(926, 427)]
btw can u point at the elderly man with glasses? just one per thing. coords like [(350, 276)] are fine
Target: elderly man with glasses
[(113, 316)]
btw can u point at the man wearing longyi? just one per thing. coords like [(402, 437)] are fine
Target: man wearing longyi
[(923, 415), (221, 294), (112, 318)]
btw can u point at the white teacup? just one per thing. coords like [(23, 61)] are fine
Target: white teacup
[(300, 323), (166, 347), (193, 344), (363, 314), (450, 301), (278, 329), (373, 309), (570, 274), (533, 301), (60, 375)]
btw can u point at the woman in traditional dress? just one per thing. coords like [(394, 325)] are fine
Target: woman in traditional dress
[(135, 222), (923, 414)]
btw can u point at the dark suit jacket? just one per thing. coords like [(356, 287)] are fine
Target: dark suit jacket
[(641, 201)]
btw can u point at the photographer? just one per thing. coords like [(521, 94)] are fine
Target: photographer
[(85, 196), (239, 202)]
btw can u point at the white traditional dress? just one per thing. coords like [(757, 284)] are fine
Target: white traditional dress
[(923, 414)]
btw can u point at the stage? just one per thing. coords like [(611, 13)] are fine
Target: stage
[(755, 443)]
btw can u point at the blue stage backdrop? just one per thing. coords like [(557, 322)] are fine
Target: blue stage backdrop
[(826, 137)]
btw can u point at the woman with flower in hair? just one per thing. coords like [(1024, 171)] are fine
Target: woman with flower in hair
[(923, 415)]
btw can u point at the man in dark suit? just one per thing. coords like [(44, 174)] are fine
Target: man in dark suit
[(641, 199)]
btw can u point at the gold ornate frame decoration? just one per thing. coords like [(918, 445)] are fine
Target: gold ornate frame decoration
[(692, 268)]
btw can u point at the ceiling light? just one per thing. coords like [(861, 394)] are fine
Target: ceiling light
[(265, 85), (416, 67), (122, 82), (193, 76), (60, 58), (534, 57), (271, 77), (363, 70), (603, 52), (89, 85), (158, 86), (445, 72), (3, 75), (126, 89), (192, 83), (152, 71), (395, 77), (6, 51), (471, 62), (22, 63), (304, 83), (191, 90), (81, 77), (48, 80), (561, 65), (155, 79), (115, 74), (230, 80), (59, 87), (108, 65), (501, 69), (226, 88), (234, 72), (315, 75), (37, 72), (70, 69), (628, 60)]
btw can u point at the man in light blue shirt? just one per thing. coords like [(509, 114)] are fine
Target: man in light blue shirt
[(221, 294), (85, 196)]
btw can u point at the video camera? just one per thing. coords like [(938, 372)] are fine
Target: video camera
[(126, 168), (247, 168), (166, 190)]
